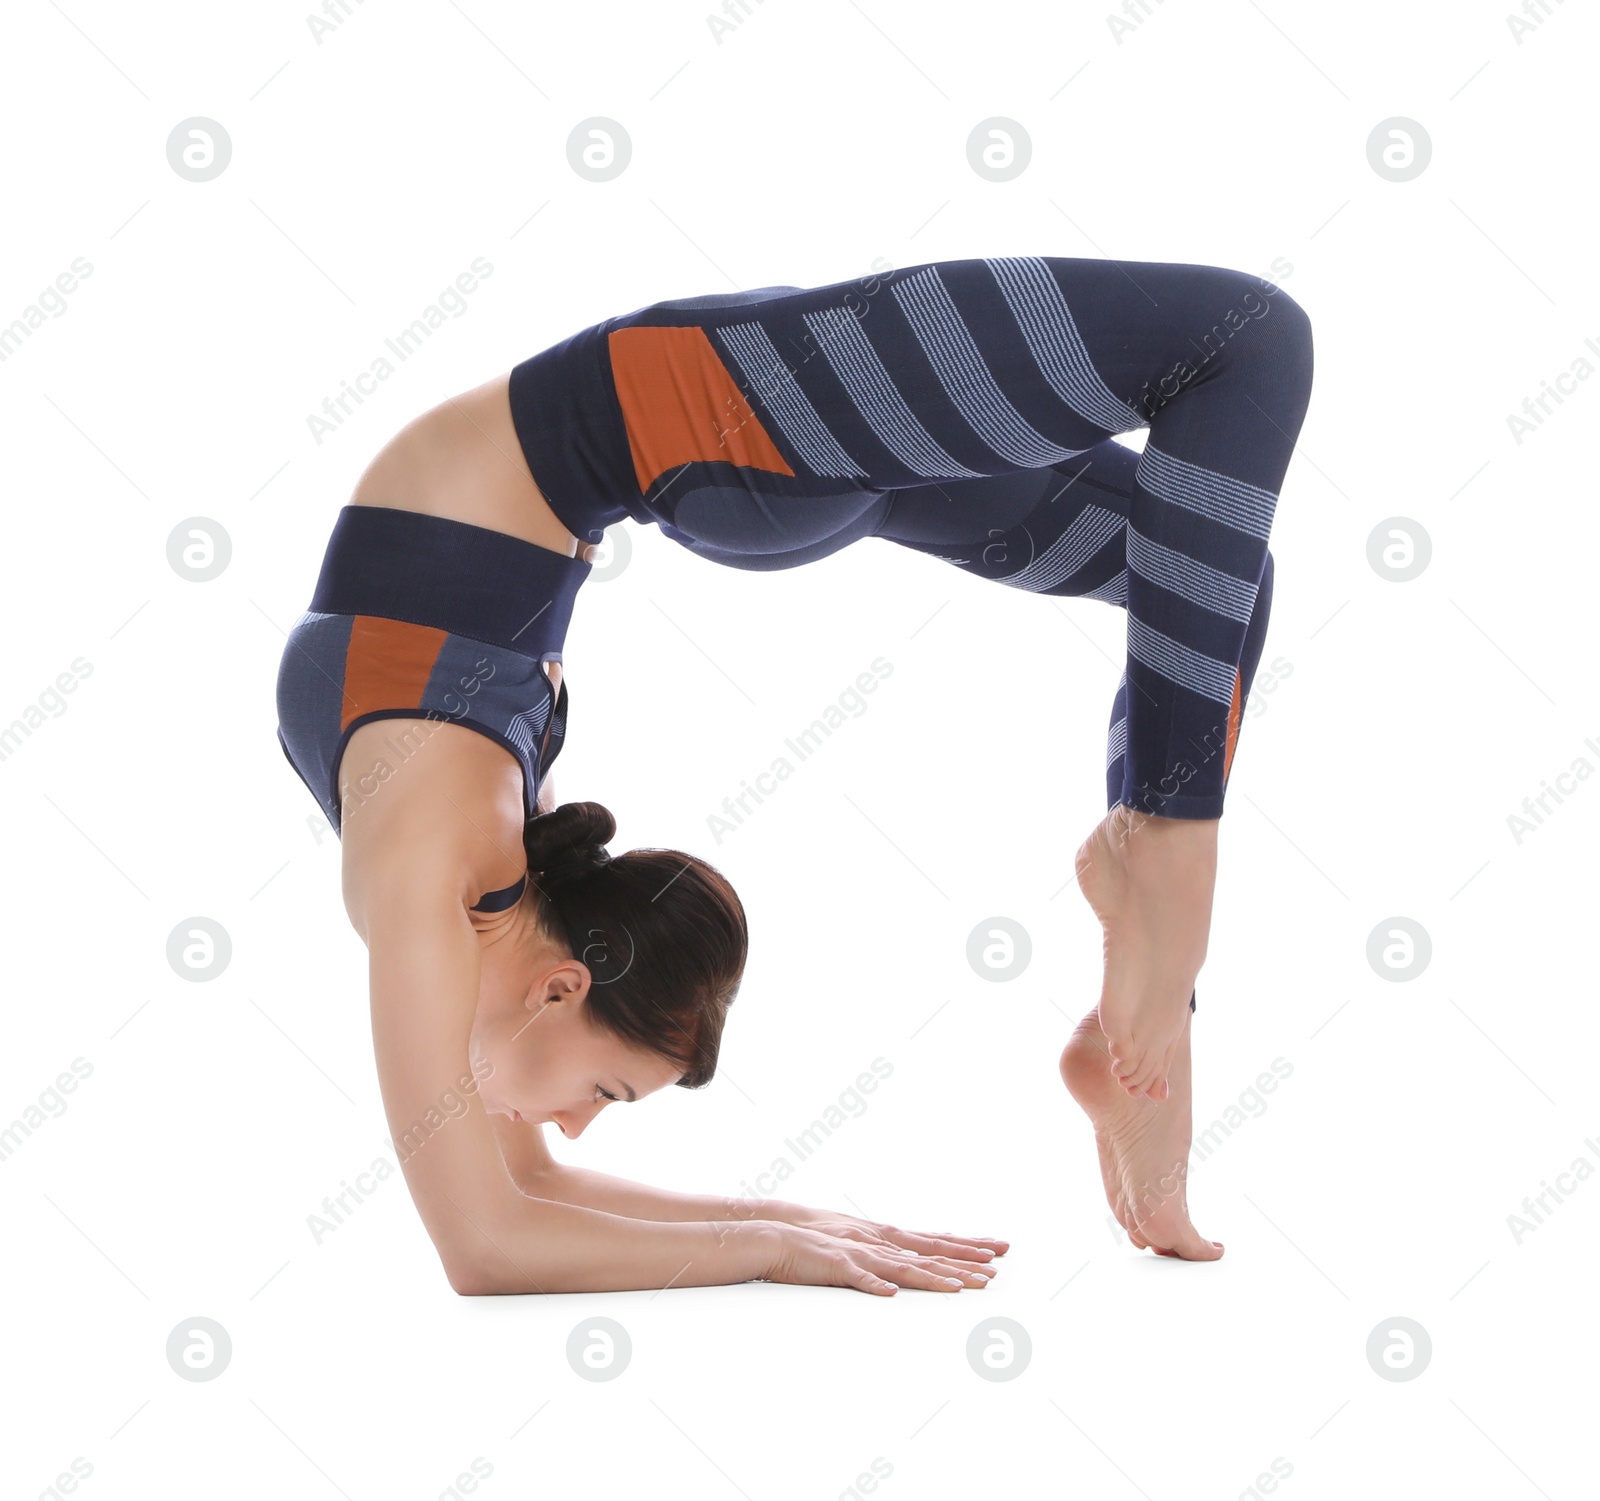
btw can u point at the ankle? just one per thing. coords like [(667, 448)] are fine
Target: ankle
[(1132, 828)]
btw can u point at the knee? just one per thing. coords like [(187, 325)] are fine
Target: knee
[(1271, 344), (1294, 323), (1284, 338), (1258, 300), (1255, 320)]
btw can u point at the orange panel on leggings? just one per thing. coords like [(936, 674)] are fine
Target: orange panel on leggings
[(681, 406), (388, 665), (1235, 713)]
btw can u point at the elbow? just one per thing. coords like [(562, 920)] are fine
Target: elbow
[(470, 1277), (541, 1183), (469, 1281)]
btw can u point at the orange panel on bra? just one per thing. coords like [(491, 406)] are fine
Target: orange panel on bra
[(681, 406), (387, 665)]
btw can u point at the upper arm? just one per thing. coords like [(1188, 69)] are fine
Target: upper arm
[(451, 814), (424, 969)]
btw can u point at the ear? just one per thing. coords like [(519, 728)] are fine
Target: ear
[(566, 982)]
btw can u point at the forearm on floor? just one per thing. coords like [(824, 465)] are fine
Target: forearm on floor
[(586, 1189), (540, 1245)]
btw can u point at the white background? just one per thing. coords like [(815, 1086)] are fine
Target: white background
[(1375, 781)]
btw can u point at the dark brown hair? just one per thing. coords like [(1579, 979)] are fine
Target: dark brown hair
[(663, 934)]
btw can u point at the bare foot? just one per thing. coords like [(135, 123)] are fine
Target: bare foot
[(1143, 1146), (1150, 881)]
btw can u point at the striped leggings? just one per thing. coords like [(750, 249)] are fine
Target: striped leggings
[(965, 408)]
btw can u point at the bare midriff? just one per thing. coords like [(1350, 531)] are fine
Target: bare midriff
[(462, 460)]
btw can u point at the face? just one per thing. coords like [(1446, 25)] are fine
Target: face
[(537, 1055)]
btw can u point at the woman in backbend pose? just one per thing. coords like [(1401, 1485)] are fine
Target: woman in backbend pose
[(520, 974)]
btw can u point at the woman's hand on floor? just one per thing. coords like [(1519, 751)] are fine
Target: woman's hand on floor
[(977, 1248), (847, 1252)]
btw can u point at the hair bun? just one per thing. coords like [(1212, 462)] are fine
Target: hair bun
[(568, 842), (580, 863)]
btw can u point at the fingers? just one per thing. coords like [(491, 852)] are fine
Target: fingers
[(972, 1274), (866, 1266), (864, 1281), (928, 1273), (879, 1259), (976, 1242), (962, 1248)]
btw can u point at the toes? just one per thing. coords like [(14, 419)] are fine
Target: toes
[(1126, 1059), (1187, 1243), (1160, 1087), (1153, 1080), (1170, 1061), (1142, 1073)]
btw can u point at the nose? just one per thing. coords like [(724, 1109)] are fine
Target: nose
[(574, 1122)]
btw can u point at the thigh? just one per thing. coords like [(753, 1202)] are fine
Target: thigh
[(1057, 530), (946, 370), (767, 422)]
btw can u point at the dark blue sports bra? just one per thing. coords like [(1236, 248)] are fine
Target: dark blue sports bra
[(507, 896), (419, 617)]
